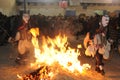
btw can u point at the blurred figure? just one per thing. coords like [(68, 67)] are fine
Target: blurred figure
[(98, 42), (23, 36)]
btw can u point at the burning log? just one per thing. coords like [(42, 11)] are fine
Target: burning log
[(41, 73)]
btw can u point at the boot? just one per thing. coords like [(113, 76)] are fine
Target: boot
[(97, 69), (20, 60), (101, 70)]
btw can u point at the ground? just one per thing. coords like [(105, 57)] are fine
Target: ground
[(9, 69)]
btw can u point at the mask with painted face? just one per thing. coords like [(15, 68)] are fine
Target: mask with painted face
[(26, 17), (105, 20)]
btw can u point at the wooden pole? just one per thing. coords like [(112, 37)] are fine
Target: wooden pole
[(24, 6)]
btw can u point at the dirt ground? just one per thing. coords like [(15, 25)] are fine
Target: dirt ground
[(9, 69)]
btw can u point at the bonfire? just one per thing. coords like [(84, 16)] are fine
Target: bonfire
[(53, 56)]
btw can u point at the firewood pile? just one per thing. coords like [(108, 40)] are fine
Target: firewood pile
[(41, 73)]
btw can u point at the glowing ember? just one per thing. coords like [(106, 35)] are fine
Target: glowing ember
[(56, 51), (20, 77)]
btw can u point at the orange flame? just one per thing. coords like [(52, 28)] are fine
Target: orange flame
[(56, 50)]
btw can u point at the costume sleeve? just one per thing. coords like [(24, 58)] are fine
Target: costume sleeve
[(107, 33)]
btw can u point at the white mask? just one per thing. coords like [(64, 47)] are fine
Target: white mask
[(26, 17), (105, 20)]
